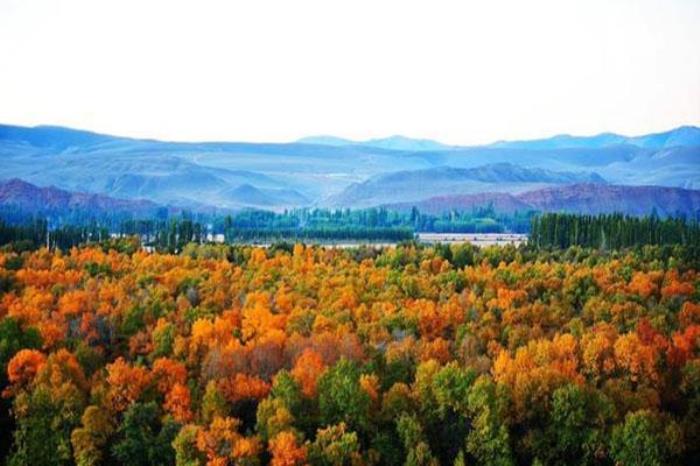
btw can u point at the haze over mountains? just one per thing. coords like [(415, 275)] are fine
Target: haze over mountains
[(333, 172)]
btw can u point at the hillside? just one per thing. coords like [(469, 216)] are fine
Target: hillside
[(26, 197), (632, 200), (586, 198)]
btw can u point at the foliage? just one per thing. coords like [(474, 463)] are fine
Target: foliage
[(296, 355)]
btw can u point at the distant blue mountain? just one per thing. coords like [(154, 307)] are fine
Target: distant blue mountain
[(316, 171)]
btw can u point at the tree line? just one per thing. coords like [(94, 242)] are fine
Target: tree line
[(552, 230)]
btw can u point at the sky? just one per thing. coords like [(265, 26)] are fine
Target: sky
[(462, 72)]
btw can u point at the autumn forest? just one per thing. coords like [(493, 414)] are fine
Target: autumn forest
[(415, 355)]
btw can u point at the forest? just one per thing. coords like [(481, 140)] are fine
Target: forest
[(293, 354)]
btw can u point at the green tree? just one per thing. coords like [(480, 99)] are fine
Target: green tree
[(273, 417), (334, 446), (575, 430), (213, 403), (417, 448), (89, 440), (12, 339), (489, 439), (286, 389), (144, 440), (644, 439), (185, 446), (42, 435), (341, 399)]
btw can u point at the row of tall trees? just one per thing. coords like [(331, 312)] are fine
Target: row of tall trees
[(478, 220), (37, 233), (611, 231)]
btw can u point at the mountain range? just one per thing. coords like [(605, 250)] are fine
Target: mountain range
[(328, 171)]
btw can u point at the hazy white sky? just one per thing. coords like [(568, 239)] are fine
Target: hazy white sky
[(458, 71)]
